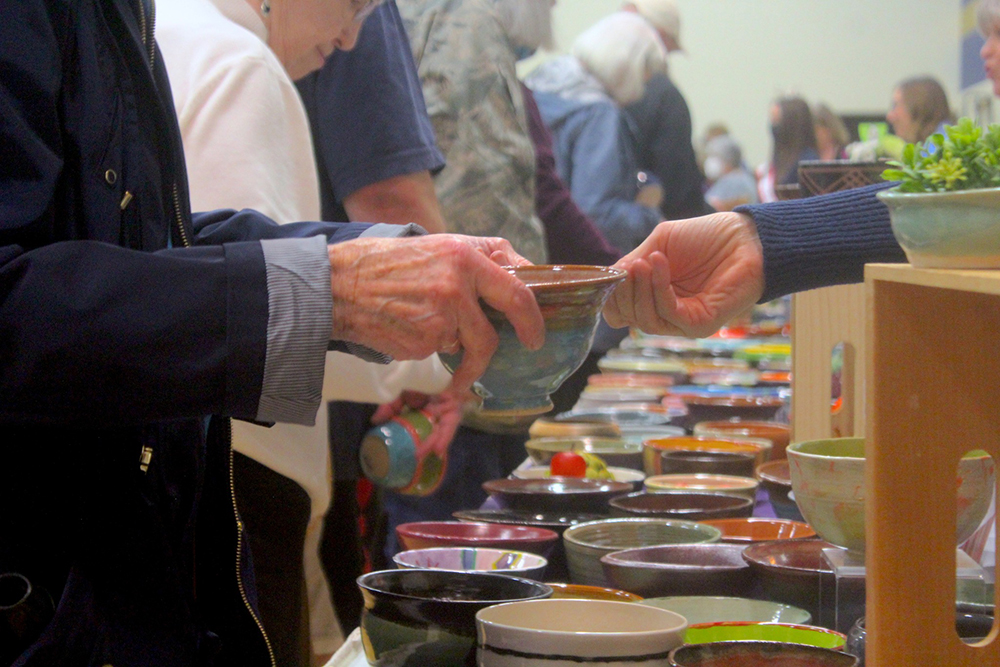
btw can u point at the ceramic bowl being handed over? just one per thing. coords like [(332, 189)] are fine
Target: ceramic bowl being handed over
[(518, 381)]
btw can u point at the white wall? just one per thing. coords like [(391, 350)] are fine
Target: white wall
[(741, 54)]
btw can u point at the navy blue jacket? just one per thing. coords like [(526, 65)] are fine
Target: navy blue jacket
[(115, 337)]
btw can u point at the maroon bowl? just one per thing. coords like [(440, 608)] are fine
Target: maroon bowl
[(690, 505), (715, 569), (428, 534)]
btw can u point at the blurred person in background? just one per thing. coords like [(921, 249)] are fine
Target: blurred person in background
[(919, 108), (580, 97), (466, 66), (832, 136), (794, 140), (661, 122), (730, 184)]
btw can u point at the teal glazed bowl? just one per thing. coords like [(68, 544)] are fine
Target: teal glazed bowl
[(947, 230), (518, 381)]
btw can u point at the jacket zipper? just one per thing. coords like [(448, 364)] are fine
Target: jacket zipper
[(179, 218), (147, 28), (239, 556)]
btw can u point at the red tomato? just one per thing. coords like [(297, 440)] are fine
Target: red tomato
[(568, 464)]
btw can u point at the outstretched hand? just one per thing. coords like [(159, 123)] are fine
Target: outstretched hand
[(411, 297), (690, 277)]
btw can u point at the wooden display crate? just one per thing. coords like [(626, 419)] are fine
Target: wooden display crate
[(933, 394)]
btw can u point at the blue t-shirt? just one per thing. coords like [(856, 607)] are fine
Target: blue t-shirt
[(367, 113)]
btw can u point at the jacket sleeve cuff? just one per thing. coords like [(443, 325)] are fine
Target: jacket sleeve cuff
[(300, 319)]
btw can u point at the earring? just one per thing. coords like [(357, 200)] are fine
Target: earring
[(265, 7)]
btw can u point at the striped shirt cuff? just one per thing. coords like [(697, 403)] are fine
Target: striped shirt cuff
[(299, 323)]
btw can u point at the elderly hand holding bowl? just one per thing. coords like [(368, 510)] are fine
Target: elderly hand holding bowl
[(413, 297)]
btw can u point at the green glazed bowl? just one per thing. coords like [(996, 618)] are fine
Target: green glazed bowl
[(947, 230), (517, 381), (828, 480), (807, 635)]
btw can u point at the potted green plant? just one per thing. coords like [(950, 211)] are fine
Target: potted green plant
[(945, 212)]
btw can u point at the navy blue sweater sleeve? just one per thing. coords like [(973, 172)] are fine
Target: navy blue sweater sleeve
[(822, 241)]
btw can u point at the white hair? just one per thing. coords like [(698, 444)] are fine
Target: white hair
[(987, 15), (528, 23), (622, 51)]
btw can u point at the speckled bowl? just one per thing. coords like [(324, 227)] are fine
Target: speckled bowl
[(519, 381), (828, 480)]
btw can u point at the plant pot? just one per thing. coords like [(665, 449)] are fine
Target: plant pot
[(947, 230)]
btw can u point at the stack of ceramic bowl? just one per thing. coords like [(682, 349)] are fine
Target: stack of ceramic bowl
[(711, 455)]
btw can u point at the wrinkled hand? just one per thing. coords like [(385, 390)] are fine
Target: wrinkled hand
[(690, 277), (411, 297), (444, 409)]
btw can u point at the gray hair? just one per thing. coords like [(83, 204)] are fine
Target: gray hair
[(622, 51), (726, 149), (987, 15)]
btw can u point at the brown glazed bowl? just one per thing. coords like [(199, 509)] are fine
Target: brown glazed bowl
[(689, 505), (776, 478), (585, 592), (761, 529), (518, 381), (779, 434), (702, 454), (680, 569)]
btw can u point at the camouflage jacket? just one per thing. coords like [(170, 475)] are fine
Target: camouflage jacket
[(466, 68)]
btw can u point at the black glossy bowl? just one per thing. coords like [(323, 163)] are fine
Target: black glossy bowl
[(556, 494), (428, 617)]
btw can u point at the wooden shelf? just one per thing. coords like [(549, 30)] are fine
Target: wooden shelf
[(933, 393), (981, 282)]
